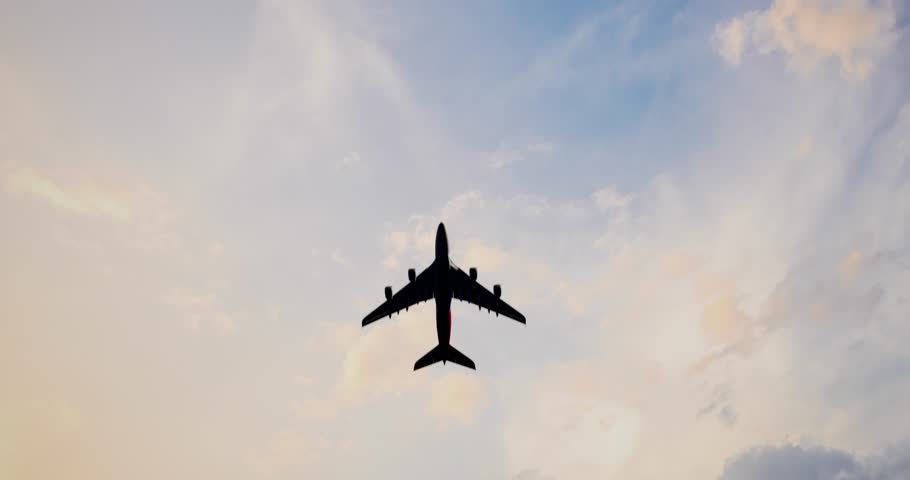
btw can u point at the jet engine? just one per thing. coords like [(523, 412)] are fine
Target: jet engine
[(473, 273), (388, 293), (497, 290), (411, 274)]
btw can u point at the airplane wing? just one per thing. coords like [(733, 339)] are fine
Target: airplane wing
[(420, 290), (471, 291)]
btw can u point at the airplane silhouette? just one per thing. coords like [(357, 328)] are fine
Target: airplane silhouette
[(443, 281)]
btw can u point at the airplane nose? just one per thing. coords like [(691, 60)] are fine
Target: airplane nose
[(441, 228)]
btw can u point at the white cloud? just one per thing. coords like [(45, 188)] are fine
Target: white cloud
[(570, 427), (507, 155), (380, 360), (456, 397), (608, 198), (462, 202), (484, 257), (856, 32), (730, 40)]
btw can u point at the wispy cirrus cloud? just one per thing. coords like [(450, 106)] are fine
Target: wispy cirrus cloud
[(87, 199), (507, 155), (746, 289)]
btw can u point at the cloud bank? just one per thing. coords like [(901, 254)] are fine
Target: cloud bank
[(713, 260)]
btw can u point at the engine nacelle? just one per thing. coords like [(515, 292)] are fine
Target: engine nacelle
[(473, 273), (497, 290), (411, 274), (388, 293)]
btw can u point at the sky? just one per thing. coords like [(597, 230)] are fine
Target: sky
[(702, 208)]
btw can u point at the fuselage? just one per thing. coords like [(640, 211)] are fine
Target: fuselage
[(443, 290)]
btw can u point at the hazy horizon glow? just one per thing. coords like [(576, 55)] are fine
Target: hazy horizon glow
[(703, 209)]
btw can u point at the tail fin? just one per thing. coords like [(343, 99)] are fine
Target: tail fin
[(444, 353)]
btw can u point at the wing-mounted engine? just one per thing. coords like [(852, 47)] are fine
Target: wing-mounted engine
[(412, 274), (472, 272), (388, 293), (497, 290)]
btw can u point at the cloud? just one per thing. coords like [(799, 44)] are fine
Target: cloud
[(288, 453), (461, 203), (730, 40), (316, 409), (216, 249), (456, 397), (571, 426), (851, 264), (339, 259), (380, 360), (608, 198), (350, 161), (418, 240), (794, 462), (722, 320), (738, 256), (134, 215), (484, 257), (85, 199), (531, 474), (558, 63), (201, 308), (507, 155), (856, 32), (396, 244)]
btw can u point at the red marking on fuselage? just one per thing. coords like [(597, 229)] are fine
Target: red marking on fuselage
[(450, 327)]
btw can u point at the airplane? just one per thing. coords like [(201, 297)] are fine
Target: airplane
[(443, 281)]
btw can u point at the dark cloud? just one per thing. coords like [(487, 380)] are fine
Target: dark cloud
[(720, 406), (793, 462)]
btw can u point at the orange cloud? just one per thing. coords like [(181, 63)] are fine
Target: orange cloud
[(722, 320), (851, 264)]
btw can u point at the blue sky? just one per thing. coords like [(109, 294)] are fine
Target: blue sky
[(701, 207)]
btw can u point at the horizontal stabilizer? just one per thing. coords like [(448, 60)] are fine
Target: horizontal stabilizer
[(444, 353), (460, 358)]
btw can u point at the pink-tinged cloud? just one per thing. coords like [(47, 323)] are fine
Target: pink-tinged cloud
[(855, 32)]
